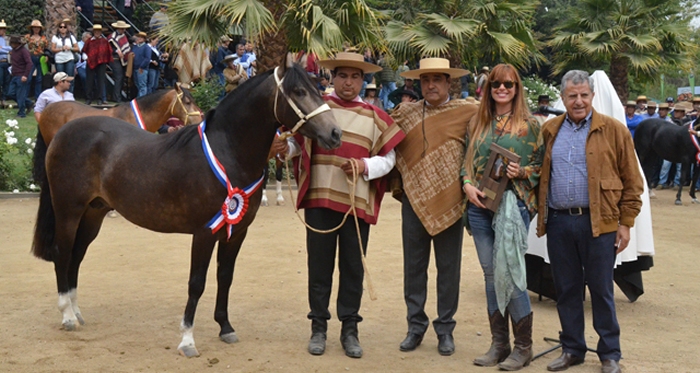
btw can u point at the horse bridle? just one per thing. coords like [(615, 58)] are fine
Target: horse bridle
[(303, 118), (178, 99)]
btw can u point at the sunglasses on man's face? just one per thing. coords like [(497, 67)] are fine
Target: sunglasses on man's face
[(497, 84)]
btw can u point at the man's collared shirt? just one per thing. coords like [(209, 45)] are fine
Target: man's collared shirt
[(569, 175), (647, 116), (50, 96)]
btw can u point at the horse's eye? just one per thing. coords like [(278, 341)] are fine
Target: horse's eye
[(299, 91)]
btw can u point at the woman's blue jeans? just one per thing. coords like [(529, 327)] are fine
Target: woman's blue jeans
[(68, 68), (37, 78), (483, 234)]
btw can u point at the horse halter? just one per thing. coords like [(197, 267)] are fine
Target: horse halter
[(302, 118), (178, 99)]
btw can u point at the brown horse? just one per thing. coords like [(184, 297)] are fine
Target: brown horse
[(173, 184), (154, 110)]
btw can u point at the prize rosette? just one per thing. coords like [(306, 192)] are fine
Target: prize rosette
[(235, 207)]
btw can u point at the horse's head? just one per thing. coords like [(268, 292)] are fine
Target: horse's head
[(183, 106), (299, 106)]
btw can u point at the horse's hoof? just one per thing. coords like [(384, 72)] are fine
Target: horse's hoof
[(69, 325), (280, 201), (679, 203), (264, 201), (81, 321), (229, 338), (188, 351)]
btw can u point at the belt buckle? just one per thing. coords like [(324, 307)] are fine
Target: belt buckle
[(575, 211)]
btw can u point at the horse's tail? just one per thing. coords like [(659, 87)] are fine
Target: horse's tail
[(39, 170), (44, 245)]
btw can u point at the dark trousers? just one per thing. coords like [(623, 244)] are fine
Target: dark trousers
[(118, 76), (321, 251), (416, 258), (19, 90), (579, 259), (98, 72), (4, 78)]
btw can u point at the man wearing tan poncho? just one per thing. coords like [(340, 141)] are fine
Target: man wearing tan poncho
[(429, 160)]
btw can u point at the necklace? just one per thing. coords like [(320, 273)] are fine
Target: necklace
[(499, 117)]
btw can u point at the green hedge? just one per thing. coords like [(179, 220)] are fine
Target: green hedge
[(18, 14)]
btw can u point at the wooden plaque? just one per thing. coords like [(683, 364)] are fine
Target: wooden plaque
[(495, 181)]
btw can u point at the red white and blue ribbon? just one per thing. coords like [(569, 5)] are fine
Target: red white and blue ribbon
[(237, 200), (137, 114)]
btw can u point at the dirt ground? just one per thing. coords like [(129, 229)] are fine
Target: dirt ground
[(133, 289)]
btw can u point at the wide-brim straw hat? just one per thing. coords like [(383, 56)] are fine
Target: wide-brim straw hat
[(631, 103), (641, 98), (355, 60), (3, 24), (683, 106), (696, 99), (434, 66), (230, 57), (67, 21), (663, 105), (35, 23), (651, 104), (371, 86), (142, 34), (120, 24), (96, 27)]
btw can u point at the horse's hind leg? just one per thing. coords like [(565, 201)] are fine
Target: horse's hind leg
[(696, 173), (685, 170), (65, 237), (202, 247), (88, 229), (226, 258)]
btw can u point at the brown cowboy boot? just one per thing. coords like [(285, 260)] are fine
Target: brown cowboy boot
[(500, 342), (522, 350)]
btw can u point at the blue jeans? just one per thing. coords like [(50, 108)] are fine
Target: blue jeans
[(68, 68), (19, 90), (387, 87), (153, 77), (664, 173), (4, 78), (480, 223), (141, 80), (37, 78), (578, 259)]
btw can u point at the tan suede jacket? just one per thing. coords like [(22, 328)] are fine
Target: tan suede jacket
[(615, 182)]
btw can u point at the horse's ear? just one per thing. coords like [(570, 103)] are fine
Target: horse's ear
[(281, 70)]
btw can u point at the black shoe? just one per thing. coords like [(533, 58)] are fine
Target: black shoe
[(317, 344), (351, 345), (446, 344), (88, 102), (610, 366), (411, 342)]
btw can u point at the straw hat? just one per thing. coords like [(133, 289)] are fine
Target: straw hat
[(683, 106), (485, 68), (328, 90), (371, 86), (631, 103), (641, 98), (67, 21), (3, 24), (225, 39), (651, 104), (96, 27), (434, 65), (61, 76), (346, 59), (35, 23), (120, 24), (142, 34), (696, 99), (230, 57), (663, 105)]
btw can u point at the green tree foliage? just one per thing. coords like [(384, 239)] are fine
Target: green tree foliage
[(633, 37), (19, 14)]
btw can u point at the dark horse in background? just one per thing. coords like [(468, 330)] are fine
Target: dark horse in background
[(155, 110), (655, 140), (164, 183)]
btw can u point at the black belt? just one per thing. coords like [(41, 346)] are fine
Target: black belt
[(574, 211)]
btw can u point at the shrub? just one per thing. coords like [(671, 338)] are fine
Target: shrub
[(534, 87), (206, 93), (16, 151)]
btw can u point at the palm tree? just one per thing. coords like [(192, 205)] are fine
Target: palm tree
[(637, 35), (317, 26), (466, 32)]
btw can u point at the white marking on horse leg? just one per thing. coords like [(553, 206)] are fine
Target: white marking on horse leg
[(187, 347), (280, 197), (264, 199), (74, 304), (64, 305)]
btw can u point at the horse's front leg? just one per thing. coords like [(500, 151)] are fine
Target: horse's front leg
[(696, 173), (685, 171), (226, 257), (202, 247)]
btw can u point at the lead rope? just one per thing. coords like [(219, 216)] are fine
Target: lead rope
[(352, 184)]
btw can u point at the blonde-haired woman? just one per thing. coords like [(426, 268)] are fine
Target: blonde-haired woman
[(504, 119)]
